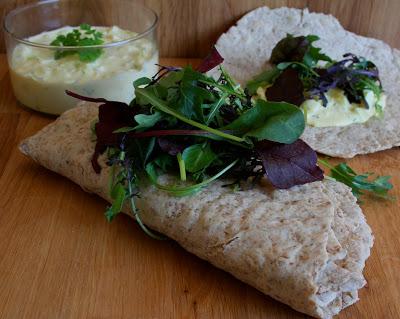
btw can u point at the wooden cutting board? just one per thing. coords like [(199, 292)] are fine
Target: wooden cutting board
[(60, 258)]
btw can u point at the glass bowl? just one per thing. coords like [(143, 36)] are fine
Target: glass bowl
[(41, 72)]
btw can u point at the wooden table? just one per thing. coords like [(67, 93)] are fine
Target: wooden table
[(60, 258)]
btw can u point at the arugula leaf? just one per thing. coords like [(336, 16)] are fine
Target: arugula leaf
[(274, 121), (361, 184), (75, 38), (313, 54), (198, 157), (172, 79), (215, 107), (192, 96), (159, 104)]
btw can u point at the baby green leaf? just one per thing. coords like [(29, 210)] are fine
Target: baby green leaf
[(198, 157), (118, 194), (147, 121), (274, 121), (263, 79), (141, 81)]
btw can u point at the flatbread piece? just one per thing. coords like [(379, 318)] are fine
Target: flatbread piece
[(305, 246), (246, 48)]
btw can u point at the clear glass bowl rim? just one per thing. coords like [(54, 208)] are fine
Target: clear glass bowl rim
[(20, 9)]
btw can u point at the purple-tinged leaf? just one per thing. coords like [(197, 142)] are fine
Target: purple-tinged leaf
[(352, 75), (290, 49), (286, 88), (288, 165), (112, 116), (298, 49), (168, 68), (212, 60), (85, 98)]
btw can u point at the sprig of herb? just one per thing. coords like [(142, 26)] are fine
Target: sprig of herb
[(361, 184), (85, 35)]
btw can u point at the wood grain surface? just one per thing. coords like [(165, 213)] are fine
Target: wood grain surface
[(60, 258), (188, 28)]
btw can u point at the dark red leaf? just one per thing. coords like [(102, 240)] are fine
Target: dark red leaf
[(98, 150), (85, 98), (287, 165), (287, 88), (112, 116), (210, 62), (290, 49)]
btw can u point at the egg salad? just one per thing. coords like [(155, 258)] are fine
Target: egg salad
[(40, 80)]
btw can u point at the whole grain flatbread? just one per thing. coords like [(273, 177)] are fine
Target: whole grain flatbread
[(247, 47), (305, 246)]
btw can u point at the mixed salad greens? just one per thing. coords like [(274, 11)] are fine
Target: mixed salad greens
[(300, 71), (187, 124)]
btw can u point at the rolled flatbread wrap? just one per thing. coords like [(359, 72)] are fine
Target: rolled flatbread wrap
[(305, 246)]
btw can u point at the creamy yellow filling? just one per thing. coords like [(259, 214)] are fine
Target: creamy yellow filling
[(338, 111)]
